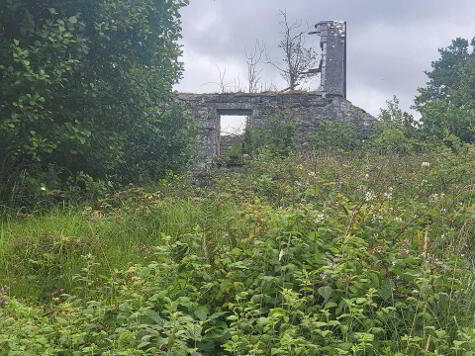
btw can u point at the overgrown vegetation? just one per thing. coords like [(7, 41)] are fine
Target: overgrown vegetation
[(85, 93), (277, 135), (447, 104), (366, 250), (325, 255)]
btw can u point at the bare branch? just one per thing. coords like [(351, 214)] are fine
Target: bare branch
[(298, 60), (253, 59), (221, 83)]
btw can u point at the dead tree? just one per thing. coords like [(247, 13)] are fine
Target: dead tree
[(222, 85), (253, 59), (298, 60)]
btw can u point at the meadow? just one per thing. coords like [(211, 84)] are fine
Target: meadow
[(328, 254)]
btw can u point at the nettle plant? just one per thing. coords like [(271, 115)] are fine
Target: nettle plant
[(298, 256), (312, 296)]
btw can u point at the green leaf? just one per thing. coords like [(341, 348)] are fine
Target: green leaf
[(202, 312), (325, 292), (345, 346), (143, 345), (194, 332), (154, 316), (361, 300), (330, 305), (386, 290)]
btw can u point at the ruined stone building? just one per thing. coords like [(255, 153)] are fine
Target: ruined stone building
[(309, 108)]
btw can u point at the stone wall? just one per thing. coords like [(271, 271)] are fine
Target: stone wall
[(307, 108)]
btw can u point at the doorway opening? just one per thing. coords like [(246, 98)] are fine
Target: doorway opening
[(232, 125)]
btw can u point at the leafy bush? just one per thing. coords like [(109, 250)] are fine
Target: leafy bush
[(324, 255), (86, 87), (447, 103), (335, 135), (277, 135), (395, 132)]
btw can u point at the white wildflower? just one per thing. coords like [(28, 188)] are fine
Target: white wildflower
[(281, 254), (369, 196), (311, 174), (434, 197), (425, 164)]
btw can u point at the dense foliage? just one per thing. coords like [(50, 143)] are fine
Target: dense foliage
[(326, 255), (447, 104), (85, 89), (363, 253), (277, 135)]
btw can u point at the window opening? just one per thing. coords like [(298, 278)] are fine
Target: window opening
[(233, 125)]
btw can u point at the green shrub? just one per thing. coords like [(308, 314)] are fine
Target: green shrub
[(86, 87), (297, 255), (277, 135), (395, 132), (447, 103), (391, 141), (335, 135)]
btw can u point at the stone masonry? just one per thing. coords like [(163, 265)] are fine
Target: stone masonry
[(308, 109), (333, 58)]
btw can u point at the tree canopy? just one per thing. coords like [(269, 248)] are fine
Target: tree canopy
[(84, 85), (447, 103)]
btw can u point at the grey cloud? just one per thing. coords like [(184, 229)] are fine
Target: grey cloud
[(390, 44)]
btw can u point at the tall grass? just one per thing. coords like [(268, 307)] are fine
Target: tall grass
[(340, 254), (41, 254)]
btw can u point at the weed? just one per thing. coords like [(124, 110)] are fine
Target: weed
[(297, 255)]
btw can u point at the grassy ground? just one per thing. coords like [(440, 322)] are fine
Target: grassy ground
[(326, 255)]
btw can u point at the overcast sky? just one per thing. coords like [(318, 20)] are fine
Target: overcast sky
[(390, 42)]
